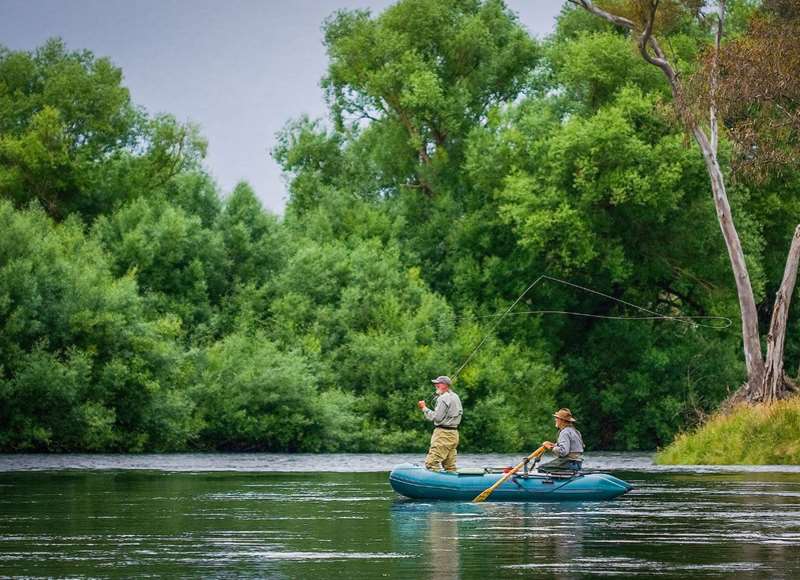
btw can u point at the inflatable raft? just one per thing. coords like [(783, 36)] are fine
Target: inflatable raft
[(419, 483)]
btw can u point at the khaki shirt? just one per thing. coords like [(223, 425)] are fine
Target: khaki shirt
[(448, 411)]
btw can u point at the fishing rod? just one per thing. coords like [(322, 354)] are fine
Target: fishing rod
[(491, 330), (652, 315)]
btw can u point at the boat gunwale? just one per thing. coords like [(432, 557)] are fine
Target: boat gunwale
[(421, 483)]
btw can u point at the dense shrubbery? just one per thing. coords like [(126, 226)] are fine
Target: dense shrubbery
[(84, 366), (140, 309)]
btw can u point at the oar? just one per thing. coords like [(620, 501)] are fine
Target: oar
[(487, 492)]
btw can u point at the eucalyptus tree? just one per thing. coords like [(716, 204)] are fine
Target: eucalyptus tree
[(766, 379)]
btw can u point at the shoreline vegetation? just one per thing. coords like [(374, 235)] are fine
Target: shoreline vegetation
[(764, 434), (144, 309)]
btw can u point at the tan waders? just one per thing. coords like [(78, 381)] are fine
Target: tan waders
[(442, 454)]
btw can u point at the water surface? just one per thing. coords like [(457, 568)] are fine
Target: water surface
[(306, 516)]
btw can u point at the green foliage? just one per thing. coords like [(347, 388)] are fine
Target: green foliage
[(178, 263), (593, 67), (425, 72), (426, 60), (355, 307), (595, 188), (71, 140), (631, 397), (83, 366), (745, 435), (255, 397), (141, 309)]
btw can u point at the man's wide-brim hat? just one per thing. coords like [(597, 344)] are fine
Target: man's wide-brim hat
[(565, 415)]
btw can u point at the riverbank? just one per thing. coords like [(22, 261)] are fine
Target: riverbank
[(748, 435)]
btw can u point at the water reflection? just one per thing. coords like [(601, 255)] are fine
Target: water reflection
[(352, 525), (432, 531), (454, 537), (677, 526)]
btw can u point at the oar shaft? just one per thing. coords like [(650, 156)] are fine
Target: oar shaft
[(487, 492)]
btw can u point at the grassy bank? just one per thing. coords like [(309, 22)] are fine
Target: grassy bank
[(755, 435)]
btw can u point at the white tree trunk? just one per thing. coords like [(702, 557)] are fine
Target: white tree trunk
[(747, 304), (774, 385)]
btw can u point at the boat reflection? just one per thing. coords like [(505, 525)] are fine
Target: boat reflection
[(454, 539)]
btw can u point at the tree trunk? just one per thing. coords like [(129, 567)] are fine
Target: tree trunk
[(652, 53), (774, 385), (747, 303)]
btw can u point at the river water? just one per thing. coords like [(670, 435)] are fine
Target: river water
[(335, 516)]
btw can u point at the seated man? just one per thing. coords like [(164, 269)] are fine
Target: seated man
[(569, 448)]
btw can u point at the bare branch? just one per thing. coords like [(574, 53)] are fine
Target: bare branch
[(612, 18), (647, 44), (647, 35), (712, 113)]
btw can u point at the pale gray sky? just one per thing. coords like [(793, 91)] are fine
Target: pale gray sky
[(238, 68)]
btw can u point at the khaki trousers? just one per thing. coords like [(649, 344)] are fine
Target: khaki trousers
[(442, 454)]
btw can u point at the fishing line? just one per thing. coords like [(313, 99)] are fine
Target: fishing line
[(499, 320), (725, 322), (690, 320)]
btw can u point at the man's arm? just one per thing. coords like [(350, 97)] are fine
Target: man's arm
[(562, 447), (438, 414)]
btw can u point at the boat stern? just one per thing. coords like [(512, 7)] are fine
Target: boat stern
[(612, 486)]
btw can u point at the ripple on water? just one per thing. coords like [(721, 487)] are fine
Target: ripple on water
[(635, 566), (194, 524)]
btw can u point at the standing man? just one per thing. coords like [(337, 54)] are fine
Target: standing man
[(446, 418), (569, 448)]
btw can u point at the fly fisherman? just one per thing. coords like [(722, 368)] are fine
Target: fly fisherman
[(446, 418), (569, 448)]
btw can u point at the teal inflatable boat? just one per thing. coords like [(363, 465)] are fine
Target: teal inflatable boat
[(419, 483)]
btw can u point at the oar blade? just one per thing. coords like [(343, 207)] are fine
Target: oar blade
[(483, 495), (488, 491)]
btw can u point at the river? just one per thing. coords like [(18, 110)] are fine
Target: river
[(335, 516)]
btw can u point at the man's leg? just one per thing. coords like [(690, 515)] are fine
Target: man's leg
[(437, 452), (557, 464), (449, 462)]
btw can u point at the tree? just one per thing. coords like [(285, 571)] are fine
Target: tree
[(765, 379), (72, 140), (426, 71), (82, 364), (254, 243), (405, 89), (179, 265)]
